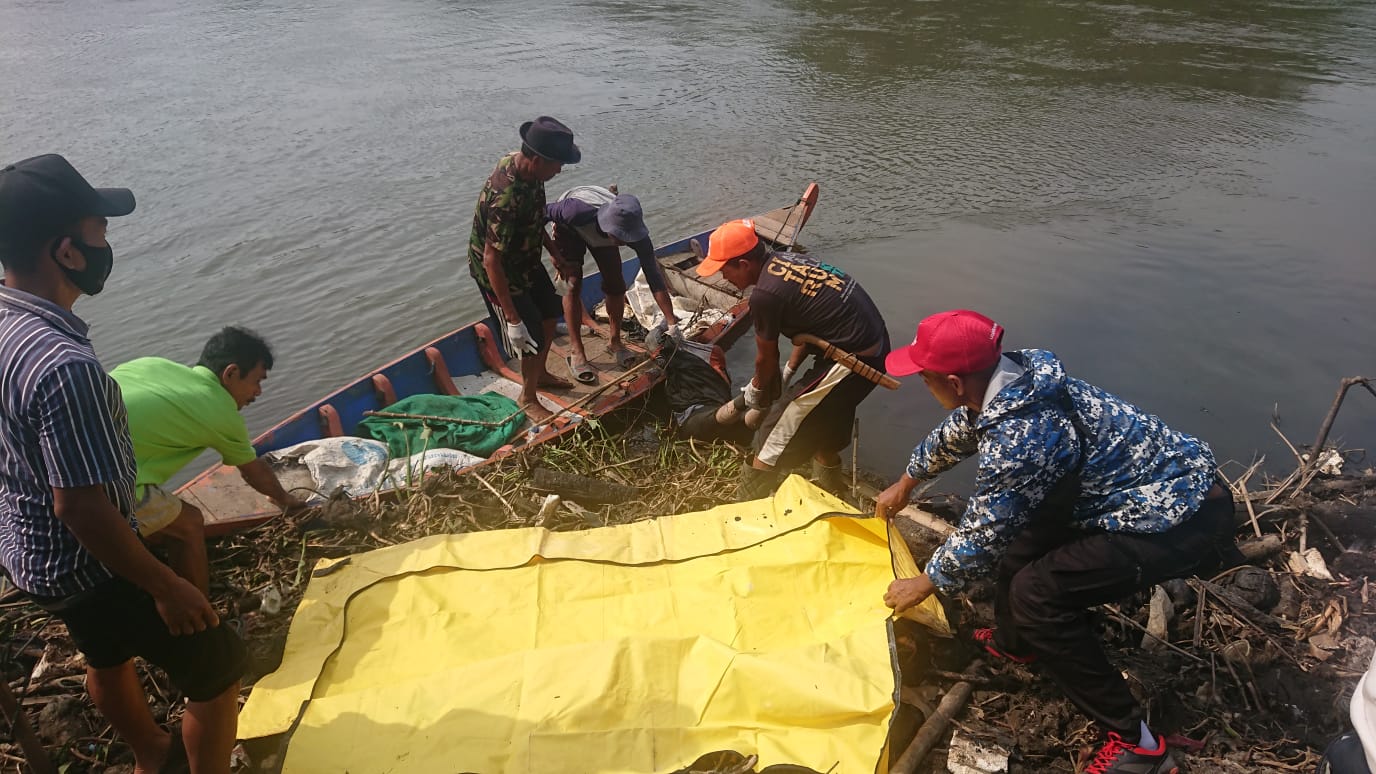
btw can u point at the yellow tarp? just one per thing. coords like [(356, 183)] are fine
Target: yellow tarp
[(756, 626)]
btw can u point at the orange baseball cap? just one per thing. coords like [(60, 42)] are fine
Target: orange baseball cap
[(730, 241)]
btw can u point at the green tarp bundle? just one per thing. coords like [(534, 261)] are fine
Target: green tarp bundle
[(480, 424)]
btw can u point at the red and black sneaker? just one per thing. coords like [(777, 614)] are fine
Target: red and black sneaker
[(985, 639), (1121, 757)]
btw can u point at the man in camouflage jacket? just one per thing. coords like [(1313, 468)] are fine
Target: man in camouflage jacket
[(1080, 499), (504, 254)]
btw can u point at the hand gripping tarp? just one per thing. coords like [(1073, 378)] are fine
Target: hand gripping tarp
[(757, 627)]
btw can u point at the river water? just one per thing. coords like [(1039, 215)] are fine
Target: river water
[(1179, 198)]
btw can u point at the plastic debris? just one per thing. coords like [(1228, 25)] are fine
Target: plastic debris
[(973, 756), (1309, 562), (272, 600), (1329, 462), (1158, 620)]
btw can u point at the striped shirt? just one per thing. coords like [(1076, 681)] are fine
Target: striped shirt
[(62, 424)]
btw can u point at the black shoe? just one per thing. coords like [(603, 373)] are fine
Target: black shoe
[(828, 478), (1121, 757), (756, 484)]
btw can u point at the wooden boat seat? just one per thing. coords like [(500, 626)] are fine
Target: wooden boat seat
[(330, 425), (386, 394), (444, 383)]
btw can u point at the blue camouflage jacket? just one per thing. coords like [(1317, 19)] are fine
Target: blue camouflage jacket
[(1137, 475)]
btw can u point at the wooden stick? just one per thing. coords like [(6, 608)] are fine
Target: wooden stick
[(933, 728), (436, 418), (38, 760), (620, 378), (855, 459), (1298, 457), (928, 520), (1257, 549), (494, 491), (1306, 472), (1119, 617), (1251, 512), (831, 352)]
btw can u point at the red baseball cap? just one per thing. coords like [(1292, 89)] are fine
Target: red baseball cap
[(730, 241), (956, 342)]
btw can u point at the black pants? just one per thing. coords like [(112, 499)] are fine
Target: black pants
[(702, 425), (1052, 574)]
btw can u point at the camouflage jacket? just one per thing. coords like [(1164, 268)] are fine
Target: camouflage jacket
[(511, 216), (1136, 474)]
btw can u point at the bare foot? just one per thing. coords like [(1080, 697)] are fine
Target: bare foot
[(557, 382), (164, 754), (537, 414)]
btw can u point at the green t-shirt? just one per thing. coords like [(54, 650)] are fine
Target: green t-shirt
[(175, 413)]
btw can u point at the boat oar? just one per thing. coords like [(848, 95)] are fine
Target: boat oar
[(838, 355)]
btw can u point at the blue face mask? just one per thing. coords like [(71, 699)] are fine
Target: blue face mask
[(99, 262)]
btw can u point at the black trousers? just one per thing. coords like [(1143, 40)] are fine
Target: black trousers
[(1053, 574)]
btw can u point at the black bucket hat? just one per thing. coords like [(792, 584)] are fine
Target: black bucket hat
[(549, 138)]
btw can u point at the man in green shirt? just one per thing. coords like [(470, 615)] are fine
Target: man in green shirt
[(175, 413)]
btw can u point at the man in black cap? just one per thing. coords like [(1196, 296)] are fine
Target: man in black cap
[(67, 529), (504, 252), (590, 218)]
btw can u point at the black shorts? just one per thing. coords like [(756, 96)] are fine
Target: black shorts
[(816, 415), (607, 257), (702, 425), (117, 621), (537, 303)]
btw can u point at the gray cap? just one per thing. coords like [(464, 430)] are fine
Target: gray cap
[(622, 219)]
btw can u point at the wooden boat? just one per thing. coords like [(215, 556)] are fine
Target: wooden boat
[(471, 360)]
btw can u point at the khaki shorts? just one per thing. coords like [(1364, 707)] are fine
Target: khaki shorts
[(156, 509)]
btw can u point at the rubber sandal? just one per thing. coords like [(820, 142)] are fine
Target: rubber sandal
[(623, 357), (584, 375)]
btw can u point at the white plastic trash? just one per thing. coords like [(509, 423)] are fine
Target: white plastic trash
[(1363, 709), (361, 466)]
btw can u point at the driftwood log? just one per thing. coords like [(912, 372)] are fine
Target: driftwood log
[(22, 732), (933, 728), (582, 489)]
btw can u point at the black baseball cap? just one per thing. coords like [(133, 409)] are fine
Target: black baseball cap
[(44, 193)]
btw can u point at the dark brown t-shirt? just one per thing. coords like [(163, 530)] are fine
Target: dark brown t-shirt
[(799, 294)]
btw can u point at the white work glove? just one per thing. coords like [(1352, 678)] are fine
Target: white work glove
[(672, 331), (788, 375), (519, 337), (754, 396)]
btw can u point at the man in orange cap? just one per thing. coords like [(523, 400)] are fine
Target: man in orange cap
[(1081, 499), (796, 294)]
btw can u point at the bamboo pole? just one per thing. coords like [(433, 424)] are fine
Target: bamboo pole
[(933, 728), (36, 757)]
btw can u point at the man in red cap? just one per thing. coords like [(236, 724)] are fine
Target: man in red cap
[(796, 294), (1080, 499)]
